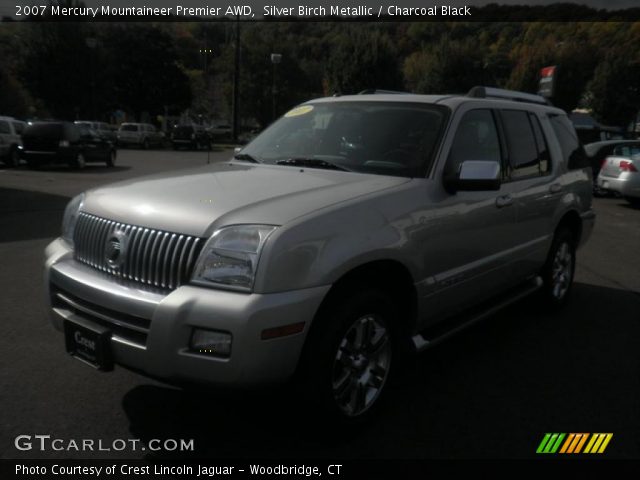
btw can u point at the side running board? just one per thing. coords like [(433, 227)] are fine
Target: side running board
[(432, 336)]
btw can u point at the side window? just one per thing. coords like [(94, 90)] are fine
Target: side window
[(475, 139), (4, 127), (572, 150), (521, 144), (541, 142)]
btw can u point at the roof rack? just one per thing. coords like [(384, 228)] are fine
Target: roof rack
[(489, 92), (377, 91)]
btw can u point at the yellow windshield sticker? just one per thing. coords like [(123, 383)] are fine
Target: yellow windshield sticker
[(299, 111)]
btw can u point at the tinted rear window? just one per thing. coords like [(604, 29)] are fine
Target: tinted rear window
[(49, 130)]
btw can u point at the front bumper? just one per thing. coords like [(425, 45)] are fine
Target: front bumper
[(158, 342)]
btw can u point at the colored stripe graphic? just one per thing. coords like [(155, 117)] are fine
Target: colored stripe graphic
[(598, 442), (550, 443), (574, 443)]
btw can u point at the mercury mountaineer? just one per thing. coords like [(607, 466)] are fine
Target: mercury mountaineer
[(351, 232)]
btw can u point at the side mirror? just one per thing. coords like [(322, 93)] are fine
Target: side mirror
[(237, 150), (480, 175)]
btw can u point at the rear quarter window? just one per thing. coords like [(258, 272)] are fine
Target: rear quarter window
[(572, 149)]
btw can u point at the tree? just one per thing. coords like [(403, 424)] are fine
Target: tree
[(362, 57), (614, 91)]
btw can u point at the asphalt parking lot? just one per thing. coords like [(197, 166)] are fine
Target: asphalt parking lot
[(491, 392)]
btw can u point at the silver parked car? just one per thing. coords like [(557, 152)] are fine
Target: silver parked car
[(142, 135), (104, 130), (620, 173), (353, 230)]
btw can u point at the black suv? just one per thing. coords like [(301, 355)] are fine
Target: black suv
[(64, 142), (190, 136)]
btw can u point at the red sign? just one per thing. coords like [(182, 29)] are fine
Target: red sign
[(547, 80)]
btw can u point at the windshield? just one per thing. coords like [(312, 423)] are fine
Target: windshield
[(386, 138)]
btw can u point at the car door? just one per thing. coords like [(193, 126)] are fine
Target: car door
[(469, 236), (530, 183)]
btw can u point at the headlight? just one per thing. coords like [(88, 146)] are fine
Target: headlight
[(230, 257), (71, 217)]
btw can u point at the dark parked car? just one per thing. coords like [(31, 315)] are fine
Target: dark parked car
[(190, 136), (64, 142), (599, 151)]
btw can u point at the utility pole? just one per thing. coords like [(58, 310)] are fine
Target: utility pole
[(276, 58), (236, 82)]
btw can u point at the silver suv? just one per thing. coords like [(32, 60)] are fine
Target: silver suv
[(11, 140), (352, 231)]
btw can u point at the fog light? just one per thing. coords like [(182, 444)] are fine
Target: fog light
[(211, 342)]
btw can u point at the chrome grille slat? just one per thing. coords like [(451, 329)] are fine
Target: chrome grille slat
[(154, 258), (165, 281), (173, 263)]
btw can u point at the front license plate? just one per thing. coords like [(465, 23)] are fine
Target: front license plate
[(89, 343)]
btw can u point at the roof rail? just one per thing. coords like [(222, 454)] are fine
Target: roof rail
[(377, 91), (490, 92)]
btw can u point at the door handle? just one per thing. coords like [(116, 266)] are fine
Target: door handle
[(504, 201), (555, 188)]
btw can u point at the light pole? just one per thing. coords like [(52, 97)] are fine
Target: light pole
[(236, 82), (92, 43), (276, 58)]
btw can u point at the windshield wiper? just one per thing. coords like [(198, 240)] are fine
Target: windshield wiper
[(247, 157), (312, 163)]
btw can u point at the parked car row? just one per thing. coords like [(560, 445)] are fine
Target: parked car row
[(616, 168)]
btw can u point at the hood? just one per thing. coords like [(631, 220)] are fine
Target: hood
[(190, 201)]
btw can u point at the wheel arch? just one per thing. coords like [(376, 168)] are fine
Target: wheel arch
[(388, 275), (571, 220)]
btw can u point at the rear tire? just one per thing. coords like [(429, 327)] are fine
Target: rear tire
[(79, 162), (348, 359), (633, 201), (559, 269)]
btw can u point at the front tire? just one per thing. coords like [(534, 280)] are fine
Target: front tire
[(111, 159), (558, 272), (14, 157), (348, 359)]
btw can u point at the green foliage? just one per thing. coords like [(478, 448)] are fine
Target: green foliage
[(143, 68), (614, 91)]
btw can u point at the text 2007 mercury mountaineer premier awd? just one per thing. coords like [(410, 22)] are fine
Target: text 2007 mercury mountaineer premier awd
[(351, 231)]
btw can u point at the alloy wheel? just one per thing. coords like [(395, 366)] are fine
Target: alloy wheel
[(361, 365)]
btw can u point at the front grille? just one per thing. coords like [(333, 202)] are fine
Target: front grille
[(151, 257), (128, 327)]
